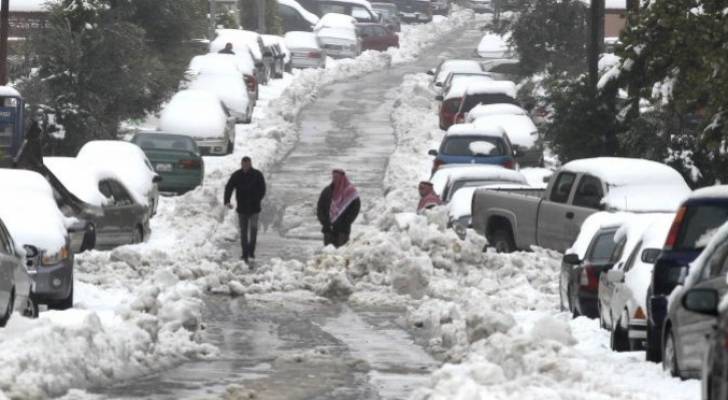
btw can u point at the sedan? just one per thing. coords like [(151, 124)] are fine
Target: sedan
[(176, 159), (376, 37), (305, 50), (15, 280)]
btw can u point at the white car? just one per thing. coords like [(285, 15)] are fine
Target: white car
[(244, 41), (127, 162), (203, 117), (336, 34), (448, 180), (518, 125), (494, 46), (454, 65), (305, 50), (230, 89), (226, 64), (15, 280)]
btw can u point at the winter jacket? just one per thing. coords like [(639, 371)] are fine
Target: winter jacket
[(249, 190), (343, 224)]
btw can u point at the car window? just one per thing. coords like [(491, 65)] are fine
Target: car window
[(588, 193), (486, 98), (450, 105), (716, 264), (361, 14), (618, 249), (332, 8), (120, 193), (472, 146), (602, 247), (164, 142), (6, 243), (701, 221), (633, 257), (379, 31), (562, 187), (505, 68), (105, 189)]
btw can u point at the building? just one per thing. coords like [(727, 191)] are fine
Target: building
[(615, 17)]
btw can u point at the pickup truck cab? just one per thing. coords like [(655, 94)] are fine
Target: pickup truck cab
[(513, 221)]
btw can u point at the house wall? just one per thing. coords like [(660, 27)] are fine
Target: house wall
[(614, 22)]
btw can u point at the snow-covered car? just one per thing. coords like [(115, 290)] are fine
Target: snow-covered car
[(623, 289), (336, 34), (507, 69), (281, 54), (493, 46), (389, 15), (361, 10), (230, 89), (203, 117), (248, 40), (520, 129), (454, 77), (124, 219), (453, 65), (305, 50), (468, 144), (295, 17), (126, 162), (176, 159), (479, 6), (15, 280), (29, 210), (226, 64), (447, 181), (376, 36), (485, 92), (414, 10), (453, 95)]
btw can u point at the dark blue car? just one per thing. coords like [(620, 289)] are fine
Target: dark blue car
[(468, 144), (700, 215)]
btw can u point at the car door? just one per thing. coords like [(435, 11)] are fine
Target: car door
[(606, 288), (8, 264), (107, 226), (621, 294), (127, 212), (693, 328), (554, 212), (587, 200)]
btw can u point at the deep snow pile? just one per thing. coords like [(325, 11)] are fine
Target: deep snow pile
[(138, 308)]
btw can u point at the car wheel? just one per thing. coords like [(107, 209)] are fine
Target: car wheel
[(502, 241), (8, 309), (618, 338), (63, 304), (669, 355), (30, 308)]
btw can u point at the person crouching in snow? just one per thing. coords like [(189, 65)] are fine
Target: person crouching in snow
[(428, 197), (338, 207)]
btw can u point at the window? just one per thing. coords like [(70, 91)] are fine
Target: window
[(120, 194), (701, 221), (332, 8), (716, 265), (5, 241), (362, 14), (602, 247), (486, 98), (469, 145), (562, 187), (105, 189), (617, 252), (633, 257), (379, 31), (588, 193)]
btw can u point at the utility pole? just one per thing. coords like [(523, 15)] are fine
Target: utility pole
[(4, 11), (213, 19), (596, 41), (260, 5)]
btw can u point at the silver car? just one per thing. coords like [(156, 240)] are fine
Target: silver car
[(15, 282), (305, 50)]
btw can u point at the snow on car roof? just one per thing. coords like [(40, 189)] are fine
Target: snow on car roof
[(472, 130), (482, 110), (215, 63), (29, 5), (238, 38), (121, 160), (448, 66), (519, 128), (535, 176), (719, 238), (337, 33), (78, 177), (29, 211), (493, 45), (506, 87), (228, 88), (484, 172), (301, 40), (336, 20), (9, 91), (461, 83), (591, 225), (364, 3), (717, 191), (194, 113), (310, 17)]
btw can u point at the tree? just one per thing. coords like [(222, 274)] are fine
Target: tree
[(249, 16)]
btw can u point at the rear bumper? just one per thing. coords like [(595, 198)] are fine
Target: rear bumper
[(180, 182), (637, 329), (212, 147), (302, 62), (415, 17)]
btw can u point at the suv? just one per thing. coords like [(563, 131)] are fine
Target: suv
[(698, 217)]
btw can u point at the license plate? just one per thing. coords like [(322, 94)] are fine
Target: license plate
[(164, 167)]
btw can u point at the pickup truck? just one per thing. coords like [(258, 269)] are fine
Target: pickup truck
[(552, 218)]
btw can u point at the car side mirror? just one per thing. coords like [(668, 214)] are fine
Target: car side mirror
[(702, 301), (432, 152), (615, 276), (649, 256), (571, 258), (31, 251), (157, 179), (517, 152), (439, 97)]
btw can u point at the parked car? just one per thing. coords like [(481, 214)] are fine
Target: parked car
[(485, 92), (281, 54), (507, 69), (479, 6), (414, 10), (336, 33), (389, 15), (244, 40), (448, 180), (468, 144), (493, 45), (294, 17), (696, 219), (203, 117), (129, 164), (230, 90), (577, 190), (585, 261), (451, 98), (226, 64), (518, 125), (176, 159), (440, 7), (685, 332), (453, 77), (360, 9), (124, 220), (30, 213), (375, 36), (714, 371), (454, 65), (15, 280), (623, 289), (305, 50)]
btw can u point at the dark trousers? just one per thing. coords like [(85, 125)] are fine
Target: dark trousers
[(338, 239), (248, 234)]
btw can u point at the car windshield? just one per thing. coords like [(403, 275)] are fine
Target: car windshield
[(149, 141), (486, 98), (701, 222), (473, 146)]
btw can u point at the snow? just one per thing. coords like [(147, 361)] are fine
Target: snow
[(184, 115), (482, 110), (223, 64), (301, 40), (30, 213), (239, 39), (338, 33), (591, 225), (460, 85), (481, 148), (519, 128), (230, 89), (29, 6), (474, 171), (123, 161), (494, 46), (457, 66), (9, 91), (335, 20), (535, 176), (472, 129), (615, 5), (506, 87), (717, 192), (78, 177), (308, 16)]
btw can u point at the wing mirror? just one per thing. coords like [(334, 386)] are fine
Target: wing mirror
[(702, 301), (31, 251), (439, 97), (615, 276), (649, 256), (571, 258), (438, 84), (432, 153)]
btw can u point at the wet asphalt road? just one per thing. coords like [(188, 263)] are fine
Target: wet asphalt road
[(282, 348)]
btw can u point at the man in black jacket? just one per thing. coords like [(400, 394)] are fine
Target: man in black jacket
[(249, 186), (338, 206)]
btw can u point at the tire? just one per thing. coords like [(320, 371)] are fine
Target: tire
[(502, 241), (652, 348), (8, 310), (30, 308), (618, 338), (669, 355)]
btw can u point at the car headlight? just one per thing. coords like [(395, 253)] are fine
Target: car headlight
[(55, 258)]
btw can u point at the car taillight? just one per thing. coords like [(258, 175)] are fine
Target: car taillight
[(510, 164), (314, 54), (190, 164), (437, 164), (251, 83), (588, 279), (639, 313), (675, 228)]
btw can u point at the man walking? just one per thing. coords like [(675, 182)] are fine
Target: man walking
[(338, 206), (249, 186)]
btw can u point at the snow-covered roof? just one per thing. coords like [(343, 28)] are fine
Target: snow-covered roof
[(520, 128), (482, 110), (301, 40), (30, 212), (29, 5), (489, 86), (194, 113), (615, 4), (228, 88), (536, 175), (364, 3), (472, 130), (591, 225), (77, 176), (123, 161), (9, 91), (337, 33), (310, 17), (717, 191), (216, 63), (478, 171), (457, 66), (461, 83), (238, 38), (493, 46), (719, 238), (335, 20)]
